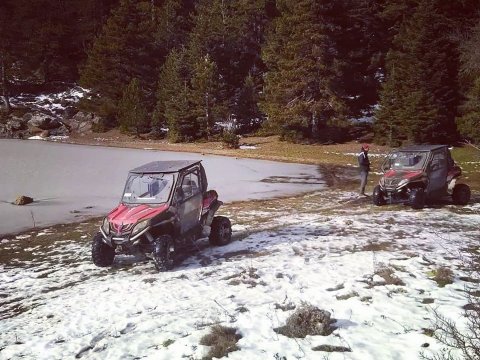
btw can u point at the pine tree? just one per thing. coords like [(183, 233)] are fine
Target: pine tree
[(300, 86), (174, 107), (206, 96), (169, 84), (361, 40), (247, 113), (231, 34), (173, 27), (131, 109), (7, 50), (419, 98), (174, 23), (182, 125), (469, 120), (125, 49)]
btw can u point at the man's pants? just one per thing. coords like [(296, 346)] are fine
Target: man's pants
[(363, 180)]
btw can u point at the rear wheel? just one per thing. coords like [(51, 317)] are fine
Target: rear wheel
[(221, 231), (417, 198), (461, 194), (378, 196), (102, 254), (163, 253)]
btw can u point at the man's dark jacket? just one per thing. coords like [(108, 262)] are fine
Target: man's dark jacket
[(363, 161)]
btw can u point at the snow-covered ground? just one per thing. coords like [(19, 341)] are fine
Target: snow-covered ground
[(328, 249), (70, 182), (53, 102)]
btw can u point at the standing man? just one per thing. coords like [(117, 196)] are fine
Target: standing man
[(364, 165)]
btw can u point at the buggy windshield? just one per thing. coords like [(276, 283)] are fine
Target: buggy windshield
[(148, 188), (406, 160)]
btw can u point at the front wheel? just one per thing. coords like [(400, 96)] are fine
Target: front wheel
[(378, 196), (417, 198), (221, 231), (163, 253), (461, 194), (102, 254)]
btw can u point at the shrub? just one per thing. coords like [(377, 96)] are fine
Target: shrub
[(388, 274), (460, 342), (307, 320), (222, 340), (443, 276), (231, 140)]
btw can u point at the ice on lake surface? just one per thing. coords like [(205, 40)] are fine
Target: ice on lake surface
[(69, 182)]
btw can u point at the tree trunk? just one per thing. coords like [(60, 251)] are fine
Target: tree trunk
[(207, 116), (152, 6), (3, 76), (315, 133)]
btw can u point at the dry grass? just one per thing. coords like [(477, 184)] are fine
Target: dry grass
[(331, 348), (388, 274), (377, 246), (347, 296), (442, 276), (246, 276), (222, 341), (268, 147), (285, 306), (307, 320), (336, 288), (168, 342)]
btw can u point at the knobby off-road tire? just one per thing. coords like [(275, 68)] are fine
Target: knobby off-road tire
[(461, 194), (102, 254), (378, 196), (221, 231), (163, 253), (417, 198)]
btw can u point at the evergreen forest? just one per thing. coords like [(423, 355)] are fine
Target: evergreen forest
[(307, 70)]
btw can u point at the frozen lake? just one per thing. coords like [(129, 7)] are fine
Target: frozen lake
[(72, 182)]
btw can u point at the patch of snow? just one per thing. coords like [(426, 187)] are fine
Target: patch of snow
[(58, 138), (51, 138), (248, 147), (22, 237), (59, 305), (36, 137)]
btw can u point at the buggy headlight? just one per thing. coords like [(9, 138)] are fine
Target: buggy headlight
[(106, 226), (142, 225)]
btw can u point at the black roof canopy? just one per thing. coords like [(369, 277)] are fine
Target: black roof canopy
[(164, 166), (421, 147)]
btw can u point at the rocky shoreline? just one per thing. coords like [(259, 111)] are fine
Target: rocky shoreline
[(48, 115)]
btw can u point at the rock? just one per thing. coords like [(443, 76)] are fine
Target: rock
[(82, 122), (16, 124), (45, 134), (61, 131), (27, 117), (4, 133), (43, 122), (85, 127), (69, 112), (23, 200), (82, 116), (34, 130)]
